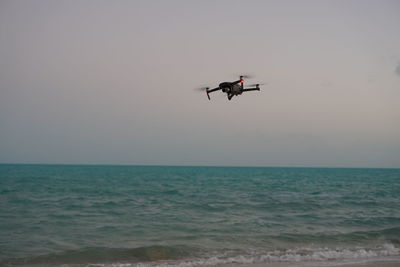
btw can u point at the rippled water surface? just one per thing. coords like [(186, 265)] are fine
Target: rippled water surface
[(77, 215)]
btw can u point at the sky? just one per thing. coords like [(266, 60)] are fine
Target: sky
[(113, 82)]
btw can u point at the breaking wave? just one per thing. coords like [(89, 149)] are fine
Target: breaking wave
[(165, 256)]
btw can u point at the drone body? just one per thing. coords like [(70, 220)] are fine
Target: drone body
[(232, 88)]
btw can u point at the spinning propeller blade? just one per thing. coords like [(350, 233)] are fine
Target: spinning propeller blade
[(202, 88), (246, 76)]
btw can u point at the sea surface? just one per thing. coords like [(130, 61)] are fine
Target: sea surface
[(73, 215)]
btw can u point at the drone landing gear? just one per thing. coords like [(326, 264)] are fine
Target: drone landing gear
[(210, 91)]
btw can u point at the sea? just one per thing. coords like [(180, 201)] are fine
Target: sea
[(122, 216)]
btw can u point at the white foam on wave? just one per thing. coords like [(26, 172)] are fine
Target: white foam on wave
[(328, 255)]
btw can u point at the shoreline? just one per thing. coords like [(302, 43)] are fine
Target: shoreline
[(314, 264)]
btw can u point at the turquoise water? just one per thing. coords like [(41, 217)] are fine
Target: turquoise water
[(67, 215)]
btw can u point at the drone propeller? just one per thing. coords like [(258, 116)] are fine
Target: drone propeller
[(202, 88), (246, 76)]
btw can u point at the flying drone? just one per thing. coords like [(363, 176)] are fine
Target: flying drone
[(233, 88)]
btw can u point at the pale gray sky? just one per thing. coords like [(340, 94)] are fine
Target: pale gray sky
[(112, 82)]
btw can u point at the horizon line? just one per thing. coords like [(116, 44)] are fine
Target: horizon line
[(190, 165)]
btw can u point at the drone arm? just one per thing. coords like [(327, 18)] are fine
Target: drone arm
[(251, 89), (213, 90)]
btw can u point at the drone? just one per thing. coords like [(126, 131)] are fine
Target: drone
[(233, 88)]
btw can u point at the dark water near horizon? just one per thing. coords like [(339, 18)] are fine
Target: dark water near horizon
[(70, 215)]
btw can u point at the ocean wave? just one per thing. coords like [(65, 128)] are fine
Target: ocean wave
[(309, 255), (391, 235), (165, 256)]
